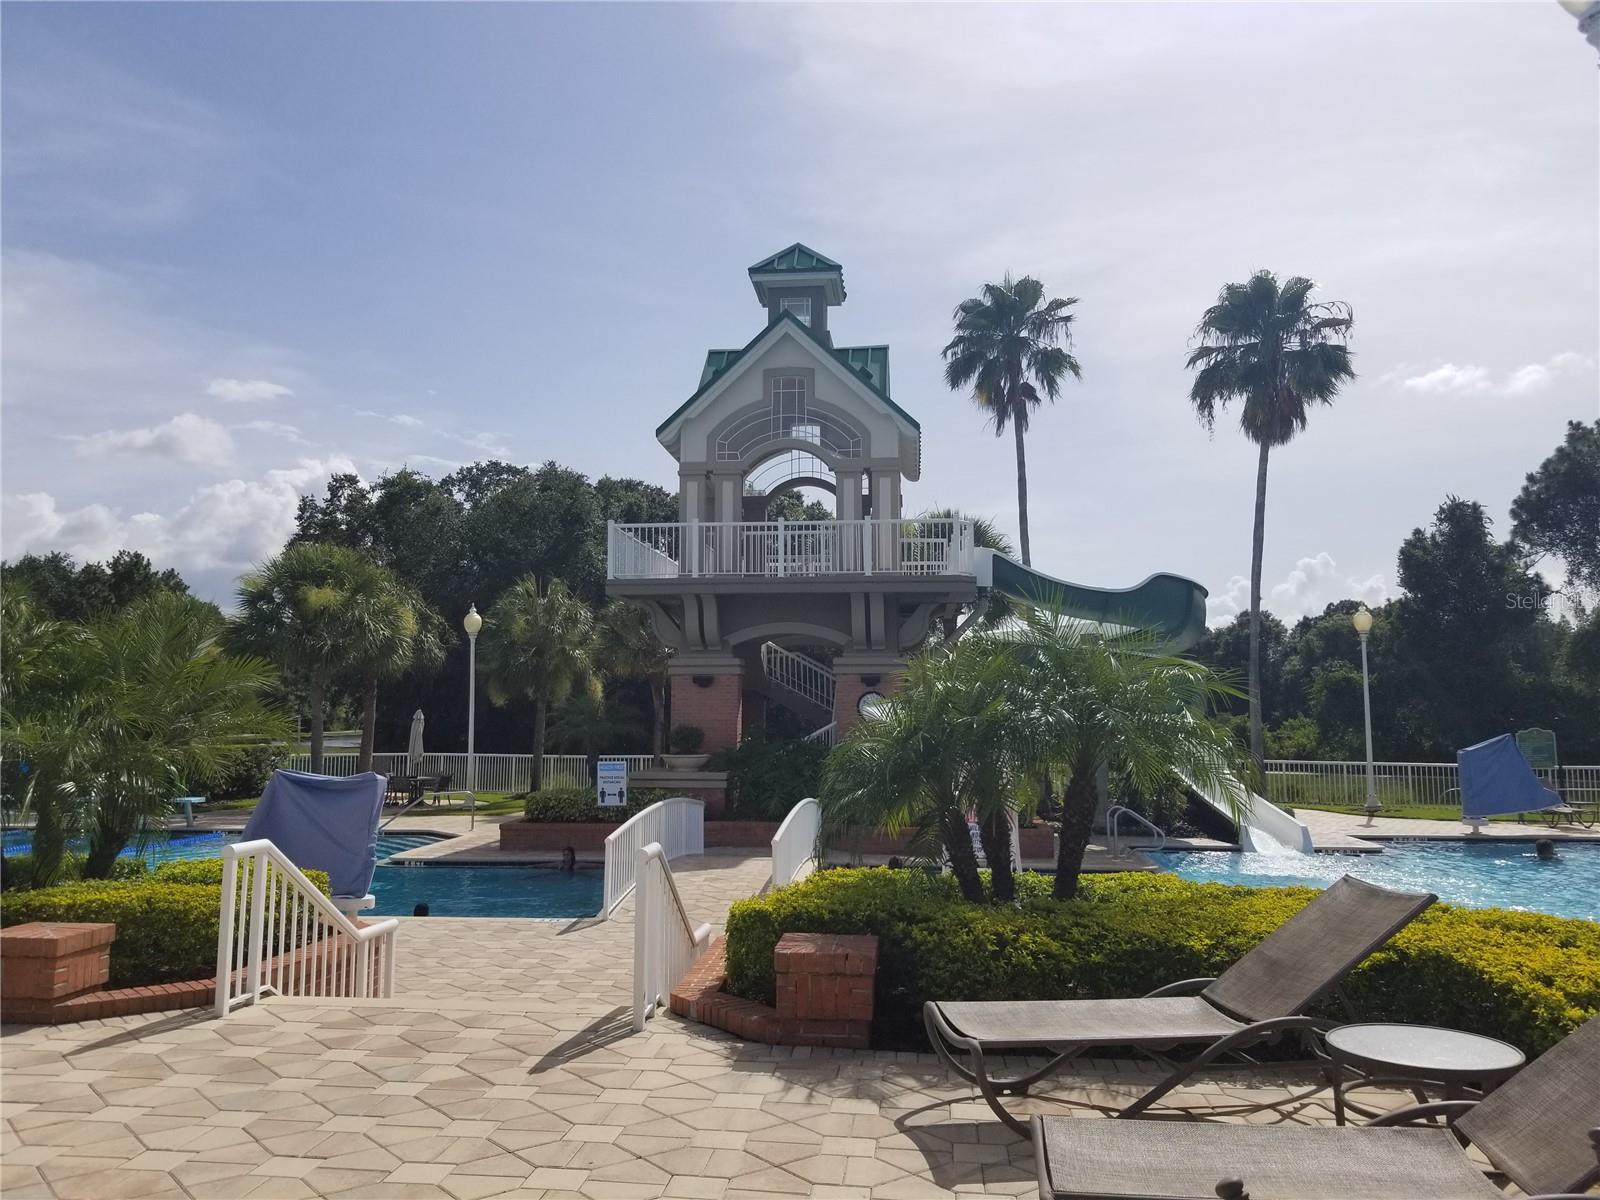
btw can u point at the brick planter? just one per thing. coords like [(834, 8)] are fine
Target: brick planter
[(590, 836), (46, 961), (824, 993)]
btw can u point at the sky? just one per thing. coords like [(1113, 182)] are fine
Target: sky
[(245, 246)]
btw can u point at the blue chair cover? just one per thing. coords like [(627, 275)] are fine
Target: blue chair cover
[(323, 823), (1496, 779)]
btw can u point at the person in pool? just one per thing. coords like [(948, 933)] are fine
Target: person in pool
[(569, 859), (421, 910), (1545, 850)]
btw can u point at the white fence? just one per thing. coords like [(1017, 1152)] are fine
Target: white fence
[(781, 549), (278, 935), (496, 772), (794, 846), (1408, 784), (676, 824), (666, 942)]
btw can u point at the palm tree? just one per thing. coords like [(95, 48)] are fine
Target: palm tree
[(165, 705), (1276, 352), (388, 628), (1010, 346), (1109, 703), (948, 741), (626, 647), (301, 611), (538, 645), (986, 535)]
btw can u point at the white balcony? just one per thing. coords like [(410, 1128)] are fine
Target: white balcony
[(789, 549)]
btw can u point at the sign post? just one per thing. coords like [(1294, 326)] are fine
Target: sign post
[(611, 783)]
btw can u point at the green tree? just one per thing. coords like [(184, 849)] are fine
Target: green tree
[(64, 591), (546, 524), (1110, 704), (1277, 353), (1558, 510), (1010, 346), (626, 647), (165, 705), (539, 644), (948, 741), (387, 630), (302, 611)]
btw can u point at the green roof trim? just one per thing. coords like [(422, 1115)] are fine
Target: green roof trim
[(873, 361), (723, 359), (798, 257)]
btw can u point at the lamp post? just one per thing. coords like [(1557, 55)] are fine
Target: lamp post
[(1587, 13), (1362, 620), (472, 622)]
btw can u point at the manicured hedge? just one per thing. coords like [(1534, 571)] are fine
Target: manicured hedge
[(1524, 977), (166, 924), (574, 805), (18, 870)]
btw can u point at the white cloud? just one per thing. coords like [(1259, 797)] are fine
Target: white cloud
[(407, 420), (1451, 380), (246, 391), (1310, 587), (290, 433), (230, 525), (185, 438)]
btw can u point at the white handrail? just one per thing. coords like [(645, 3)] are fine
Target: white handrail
[(677, 823), (827, 735), (666, 942), (781, 549), (1115, 813), (798, 673), (289, 939), (794, 846)]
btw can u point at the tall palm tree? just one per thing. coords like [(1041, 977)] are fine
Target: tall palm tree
[(165, 706), (539, 645), (388, 628), (949, 741), (1010, 345), (299, 610), (1277, 352), (1099, 703), (626, 647)]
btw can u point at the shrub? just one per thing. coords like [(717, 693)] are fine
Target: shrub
[(245, 779), (166, 924), (1524, 977), (686, 739), (17, 873), (768, 776), (570, 805)]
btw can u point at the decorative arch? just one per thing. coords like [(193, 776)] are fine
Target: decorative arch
[(773, 630)]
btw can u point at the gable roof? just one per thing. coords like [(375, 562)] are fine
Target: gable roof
[(719, 361), (799, 264), (798, 257)]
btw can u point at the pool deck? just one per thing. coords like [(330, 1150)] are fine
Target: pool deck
[(506, 1066)]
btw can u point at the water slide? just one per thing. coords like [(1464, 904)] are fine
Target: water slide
[(1175, 609)]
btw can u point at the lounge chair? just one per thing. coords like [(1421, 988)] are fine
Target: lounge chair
[(1538, 1129), (1259, 998)]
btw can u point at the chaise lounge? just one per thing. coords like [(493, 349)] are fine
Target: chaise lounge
[(1538, 1129), (1260, 998)]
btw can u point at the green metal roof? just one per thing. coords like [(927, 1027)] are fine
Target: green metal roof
[(872, 360), (798, 257)]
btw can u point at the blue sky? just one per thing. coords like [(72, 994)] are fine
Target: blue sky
[(245, 245)]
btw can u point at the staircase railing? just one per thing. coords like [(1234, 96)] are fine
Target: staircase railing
[(827, 735), (676, 824), (798, 673), (794, 846), (1114, 815), (666, 942), (278, 935)]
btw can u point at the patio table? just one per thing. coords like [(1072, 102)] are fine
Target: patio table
[(1418, 1056)]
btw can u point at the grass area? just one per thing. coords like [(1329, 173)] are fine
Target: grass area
[(1417, 812), (490, 804)]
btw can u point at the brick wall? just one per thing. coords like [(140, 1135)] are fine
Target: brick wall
[(718, 709), (848, 690)]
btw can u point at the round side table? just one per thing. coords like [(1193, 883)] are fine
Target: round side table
[(1418, 1056)]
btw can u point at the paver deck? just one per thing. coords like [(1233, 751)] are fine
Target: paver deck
[(507, 1066)]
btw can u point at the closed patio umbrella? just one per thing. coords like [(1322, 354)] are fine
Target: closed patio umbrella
[(414, 746)]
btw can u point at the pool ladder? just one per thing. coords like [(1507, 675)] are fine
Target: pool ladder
[(1114, 842)]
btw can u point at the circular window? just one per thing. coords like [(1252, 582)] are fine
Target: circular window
[(871, 704)]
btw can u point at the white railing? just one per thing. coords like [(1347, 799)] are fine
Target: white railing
[(278, 935), (666, 942), (827, 735), (1114, 815), (1401, 784), (678, 824), (783, 549), (798, 673), (496, 772), (794, 846)]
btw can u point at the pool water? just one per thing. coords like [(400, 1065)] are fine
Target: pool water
[(181, 845), (1475, 874), (487, 891)]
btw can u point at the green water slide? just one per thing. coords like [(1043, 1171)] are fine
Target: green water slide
[(1172, 607)]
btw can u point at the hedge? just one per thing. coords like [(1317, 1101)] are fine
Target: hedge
[(575, 805), (17, 873), (166, 924), (1525, 977)]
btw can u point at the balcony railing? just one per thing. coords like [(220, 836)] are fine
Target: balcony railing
[(789, 549)]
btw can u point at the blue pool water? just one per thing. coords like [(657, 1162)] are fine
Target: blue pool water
[(182, 845), (487, 891), (1476, 874)]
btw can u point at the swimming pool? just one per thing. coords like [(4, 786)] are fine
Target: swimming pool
[(489, 890), (183, 845), (1476, 874)]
